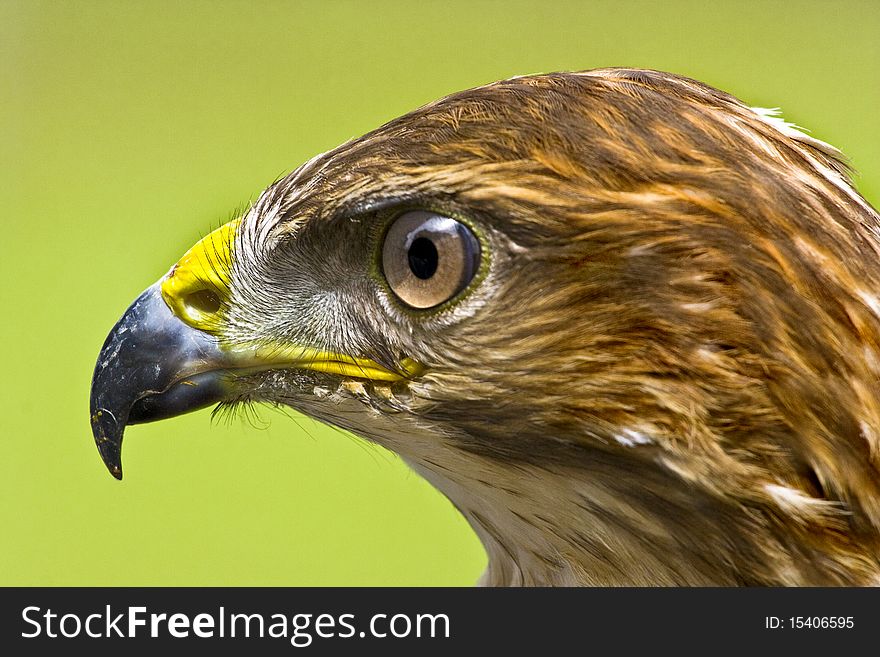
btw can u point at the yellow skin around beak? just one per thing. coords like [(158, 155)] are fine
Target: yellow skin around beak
[(197, 286), (197, 290)]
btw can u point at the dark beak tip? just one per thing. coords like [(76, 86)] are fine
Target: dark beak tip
[(108, 438), (112, 457)]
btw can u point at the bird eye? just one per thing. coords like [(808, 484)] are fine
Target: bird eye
[(427, 258)]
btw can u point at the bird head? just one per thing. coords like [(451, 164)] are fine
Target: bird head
[(626, 323)]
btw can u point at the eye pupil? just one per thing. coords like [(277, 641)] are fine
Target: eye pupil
[(423, 258)]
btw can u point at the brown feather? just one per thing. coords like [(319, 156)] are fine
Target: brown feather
[(670, 374)]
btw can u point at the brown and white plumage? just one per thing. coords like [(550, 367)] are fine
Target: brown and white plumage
[(667, 370)]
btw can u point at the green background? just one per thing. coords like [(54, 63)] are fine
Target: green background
[(128, 130)]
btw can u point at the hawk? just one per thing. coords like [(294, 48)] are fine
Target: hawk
[(627, 324)]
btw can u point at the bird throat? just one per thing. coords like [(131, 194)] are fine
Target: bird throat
[(595, 517), (552, 525)]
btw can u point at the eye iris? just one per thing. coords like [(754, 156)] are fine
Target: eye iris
[(423, 258), (427, 258)]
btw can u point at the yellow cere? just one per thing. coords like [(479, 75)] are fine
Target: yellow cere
[(197, 287)]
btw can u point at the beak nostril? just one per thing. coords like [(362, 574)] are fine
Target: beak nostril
[(202, 302), (197, 287)]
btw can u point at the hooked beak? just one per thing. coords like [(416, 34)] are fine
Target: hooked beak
[(163, 358), (152, 367)]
